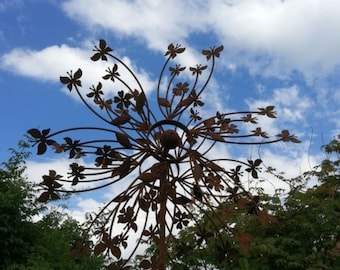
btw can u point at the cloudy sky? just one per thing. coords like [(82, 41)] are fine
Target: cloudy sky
[(283, 53)]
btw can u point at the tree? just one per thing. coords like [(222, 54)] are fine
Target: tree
[(16, 209), (29, 244), (55, 236), (302, 232)]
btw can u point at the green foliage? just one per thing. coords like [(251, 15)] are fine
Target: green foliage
[(299, 231), (307, 235), (29, 244), (16, 207), (56, 234)]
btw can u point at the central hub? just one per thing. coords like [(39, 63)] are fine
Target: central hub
[(165, 133), (170, 139)]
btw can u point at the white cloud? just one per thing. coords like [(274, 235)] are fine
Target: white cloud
[(289, 34), (52, 62), (269, 37), (47, 64), (291, 161), (82, 206), (35, 169), (39, 167), (291, 105), (156, 22)]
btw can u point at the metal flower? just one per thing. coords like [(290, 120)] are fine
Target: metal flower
[(161, 156)]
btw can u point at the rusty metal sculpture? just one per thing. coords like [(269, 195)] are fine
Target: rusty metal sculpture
[(162, 157)]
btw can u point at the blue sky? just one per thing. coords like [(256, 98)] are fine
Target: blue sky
[(282, 53)]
